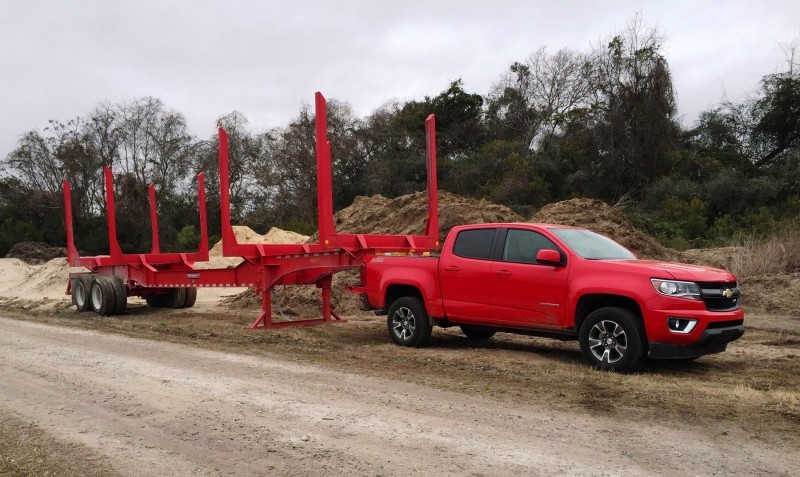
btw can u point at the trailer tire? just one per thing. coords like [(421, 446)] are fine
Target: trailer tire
[(177, 298), (80, 291), (158, 300), (120, 295), (408, 322), (102, 296), (191, 297)]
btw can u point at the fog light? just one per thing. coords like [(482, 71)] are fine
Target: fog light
[(681, 325)]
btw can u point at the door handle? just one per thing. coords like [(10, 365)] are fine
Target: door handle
[(503, 273), (452, 268)]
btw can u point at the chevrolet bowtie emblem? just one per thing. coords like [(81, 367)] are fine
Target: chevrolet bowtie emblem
[(727, 293)]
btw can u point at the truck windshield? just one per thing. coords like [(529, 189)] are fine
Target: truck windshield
[(592, 246)]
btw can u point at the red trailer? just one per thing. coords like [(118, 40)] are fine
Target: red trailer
[(171, 279)]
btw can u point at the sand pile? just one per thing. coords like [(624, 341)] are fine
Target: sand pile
[(48, 280), (34, 282), (13, 271), (406, 214), (598, 216), (35, 253), (246, 235)]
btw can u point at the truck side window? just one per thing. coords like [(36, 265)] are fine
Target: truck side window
[(476, 243), (523, 245)]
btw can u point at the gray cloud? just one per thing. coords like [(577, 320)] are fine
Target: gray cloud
[(205, 59)]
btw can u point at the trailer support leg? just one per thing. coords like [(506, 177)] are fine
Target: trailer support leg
[(264, 320), (325, 287)]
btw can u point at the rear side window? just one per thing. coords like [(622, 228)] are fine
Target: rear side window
[(475, 243)]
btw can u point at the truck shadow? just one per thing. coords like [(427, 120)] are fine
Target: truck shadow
[(568, 352)]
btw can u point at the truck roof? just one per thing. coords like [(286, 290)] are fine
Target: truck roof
[(517, 224)]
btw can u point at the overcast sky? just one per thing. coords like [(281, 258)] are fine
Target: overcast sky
[(265, 58)]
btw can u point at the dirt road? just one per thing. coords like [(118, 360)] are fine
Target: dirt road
[(158, 408)]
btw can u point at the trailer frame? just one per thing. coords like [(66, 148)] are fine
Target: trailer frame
[(264, 266)]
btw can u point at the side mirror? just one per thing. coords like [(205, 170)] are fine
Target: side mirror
[(549, 257)]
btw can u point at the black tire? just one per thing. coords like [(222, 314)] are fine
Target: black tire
[(80, 291), (101, 296), (613, 339), (177, 298), (408, 323), (158, 300), (120, 295), (191, 297), (474, 333)]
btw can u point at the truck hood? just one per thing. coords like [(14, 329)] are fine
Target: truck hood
[(680, 271)]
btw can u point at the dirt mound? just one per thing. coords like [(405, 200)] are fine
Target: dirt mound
[(377, 214), (35, 253), (772, 294), (723, 257), (303, 301), (245, 235), (406, 214), (598, 216)]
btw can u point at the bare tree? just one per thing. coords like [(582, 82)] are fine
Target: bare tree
[(540, 94)]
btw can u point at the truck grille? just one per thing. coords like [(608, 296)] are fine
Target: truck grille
[(714, 296)]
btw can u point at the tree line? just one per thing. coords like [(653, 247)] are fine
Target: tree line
[(597, 123)]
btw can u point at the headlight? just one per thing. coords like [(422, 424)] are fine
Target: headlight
[(677, 289)]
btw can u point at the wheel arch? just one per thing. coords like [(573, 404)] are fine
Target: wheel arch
[(400, 290), (594, 301)]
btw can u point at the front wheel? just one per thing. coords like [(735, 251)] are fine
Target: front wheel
[(408, 323), (612, 339)]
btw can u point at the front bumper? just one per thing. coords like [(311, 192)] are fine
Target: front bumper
[(712, 340)]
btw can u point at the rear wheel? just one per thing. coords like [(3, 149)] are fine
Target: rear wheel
[(102, 296), (177, 298), (612, 339), (474, 333), (120, 295), (191, 297), (80, 291), (408, 323), (158, 300)]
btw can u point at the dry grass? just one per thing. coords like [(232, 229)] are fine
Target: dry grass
[(775, 255), (26, 450)]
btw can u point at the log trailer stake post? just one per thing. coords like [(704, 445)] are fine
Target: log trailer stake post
[(264, 265)]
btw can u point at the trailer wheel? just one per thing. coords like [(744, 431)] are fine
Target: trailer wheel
[(158, 300), (612, 339), (475, 333), (102, 296), (120, 295), (191, 297), (408, 322), (177, 298), (80, 291)]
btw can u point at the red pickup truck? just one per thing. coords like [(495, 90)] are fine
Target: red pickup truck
[(556, 281)]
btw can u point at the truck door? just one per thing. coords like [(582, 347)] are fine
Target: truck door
[(464, 275), (525, 292)]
